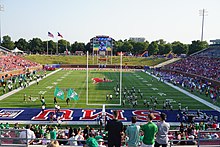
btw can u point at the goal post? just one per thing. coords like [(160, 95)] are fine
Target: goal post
[(88, 87)]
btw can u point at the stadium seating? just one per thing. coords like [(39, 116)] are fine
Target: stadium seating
[(204, 66), (211, 52), (10, 62)]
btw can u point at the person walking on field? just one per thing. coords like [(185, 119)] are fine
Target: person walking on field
[(132, 132), (150, 130), (163, 129), (114, 128)]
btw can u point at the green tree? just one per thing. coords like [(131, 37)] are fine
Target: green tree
[(179, 48), (117, 46), (21, 44), (88, 47), (167, 48), (82, 47), (36, 45), (51, 47), (63, 45), (153, 48), (197, 45), (139, 47), (161, 46), (126, 47), (77, 46), (7, 42)]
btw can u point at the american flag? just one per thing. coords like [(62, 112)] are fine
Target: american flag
[(60, 35), (50, 35)]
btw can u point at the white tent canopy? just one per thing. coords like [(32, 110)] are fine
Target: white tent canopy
[(16, 50)]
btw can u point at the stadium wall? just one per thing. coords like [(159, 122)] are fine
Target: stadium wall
[(89, 116), (97, 66)]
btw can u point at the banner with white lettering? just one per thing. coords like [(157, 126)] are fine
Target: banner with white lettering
[(87, 115)]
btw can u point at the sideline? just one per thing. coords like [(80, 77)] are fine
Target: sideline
[(31, 83), (189, 94)]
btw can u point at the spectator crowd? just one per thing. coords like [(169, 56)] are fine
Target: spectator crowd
[(194, 84), (10, 62), (208, 67)]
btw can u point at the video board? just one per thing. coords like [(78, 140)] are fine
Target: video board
[(102, 43)]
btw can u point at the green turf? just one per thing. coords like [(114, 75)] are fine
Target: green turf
[(149, 61), (97, 92)]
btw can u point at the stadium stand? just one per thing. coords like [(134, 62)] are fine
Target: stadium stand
[(11, 62), (211, 52), (204, 64)]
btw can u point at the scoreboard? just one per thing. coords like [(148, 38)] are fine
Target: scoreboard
[(102, 43)]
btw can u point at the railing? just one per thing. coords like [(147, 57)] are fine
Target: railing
[(201, 140), (10, 137)]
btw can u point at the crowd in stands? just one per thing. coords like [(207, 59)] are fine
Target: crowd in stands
[(208, 67), (193, 84), (188, 134), (10, 62), (211, 52)]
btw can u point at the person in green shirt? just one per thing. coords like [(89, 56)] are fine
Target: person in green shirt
[(2, 126), (150, 129), (53, 134), (7, 126), (91, 141)]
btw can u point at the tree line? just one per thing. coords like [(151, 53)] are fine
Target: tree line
[(158, 47)]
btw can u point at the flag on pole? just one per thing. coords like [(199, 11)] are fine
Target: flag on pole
[(60, 35), (50, 35), (71, 94), (67, 52), (59, 93)]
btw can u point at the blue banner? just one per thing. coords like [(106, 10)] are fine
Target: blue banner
[(87, 115)]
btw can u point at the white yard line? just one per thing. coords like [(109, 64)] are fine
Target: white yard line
[(19, 89), (191, 95)]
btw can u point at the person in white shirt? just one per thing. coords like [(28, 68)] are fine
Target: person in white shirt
[(58, 108), (43, 108), (78, 137), (162, 134), (110, 96), (30, 135)]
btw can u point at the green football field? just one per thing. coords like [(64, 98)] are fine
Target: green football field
[(76, 79)]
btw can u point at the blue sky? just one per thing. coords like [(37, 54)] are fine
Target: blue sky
[(80, 20)]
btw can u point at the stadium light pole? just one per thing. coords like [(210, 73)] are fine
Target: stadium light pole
[(203, 13), (1, 9)]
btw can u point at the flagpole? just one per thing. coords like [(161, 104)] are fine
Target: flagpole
[(66, 49), (87, 77), (120, 77), (57, 44), (47, 47)]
